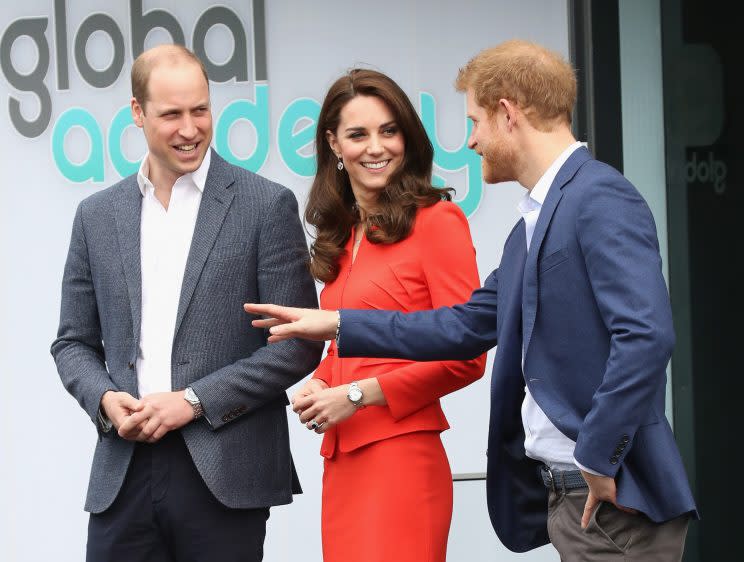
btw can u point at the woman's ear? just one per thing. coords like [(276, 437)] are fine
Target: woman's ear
[(333, 143)]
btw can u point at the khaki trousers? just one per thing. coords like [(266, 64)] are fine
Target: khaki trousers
[(612, 535)]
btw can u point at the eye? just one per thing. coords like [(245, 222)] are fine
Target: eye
[(356, 135), (390, 131)]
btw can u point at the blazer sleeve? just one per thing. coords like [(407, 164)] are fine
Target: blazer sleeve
[(282, 277), (78, 349), (617, 236), (462, 331), (448, 260)]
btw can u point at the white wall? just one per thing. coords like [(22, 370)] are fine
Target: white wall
[(47, 440)]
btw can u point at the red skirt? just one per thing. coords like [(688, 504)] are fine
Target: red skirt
[(388, 501)]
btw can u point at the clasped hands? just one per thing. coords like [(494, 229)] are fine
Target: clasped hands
[(148, 419), (320, 406)]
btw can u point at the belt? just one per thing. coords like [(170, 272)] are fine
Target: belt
[(562, 480)]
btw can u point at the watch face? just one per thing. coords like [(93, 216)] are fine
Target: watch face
[(355, 395), (190, 396)]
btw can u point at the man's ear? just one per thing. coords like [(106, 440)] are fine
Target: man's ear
[(511, 113), (333, 142), (137, 112)]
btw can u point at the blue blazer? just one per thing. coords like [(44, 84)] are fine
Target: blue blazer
[(589, 306)]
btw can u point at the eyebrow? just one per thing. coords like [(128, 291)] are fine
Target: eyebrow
[(168, 110), (363, 128)]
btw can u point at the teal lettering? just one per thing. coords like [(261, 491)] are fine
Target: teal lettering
[(121, 121), (257, 113), (453, 160), (291, 142), (92, 168)]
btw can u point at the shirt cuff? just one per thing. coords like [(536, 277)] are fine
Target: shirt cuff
[(589, 470), (338, 329)]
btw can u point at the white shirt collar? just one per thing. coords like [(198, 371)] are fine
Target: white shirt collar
[(198, 176), (535, 198)]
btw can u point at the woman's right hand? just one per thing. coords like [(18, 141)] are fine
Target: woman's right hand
[(310, 387)]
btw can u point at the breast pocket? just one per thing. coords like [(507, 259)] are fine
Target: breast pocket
[(227, 251), (552, 260)]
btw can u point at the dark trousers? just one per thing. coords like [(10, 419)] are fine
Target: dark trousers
[(165, 513), (612, 535)]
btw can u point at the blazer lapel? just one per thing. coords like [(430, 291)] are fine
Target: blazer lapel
[(127, 212), (215, 203), (529, 289)]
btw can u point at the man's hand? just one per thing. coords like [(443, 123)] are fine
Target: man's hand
[(326, 407), (118, 406), (601, 489), (286, 322), (155, 415)]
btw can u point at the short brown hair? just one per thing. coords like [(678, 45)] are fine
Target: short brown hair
[(149, 59), (541, 82), (331, 206)]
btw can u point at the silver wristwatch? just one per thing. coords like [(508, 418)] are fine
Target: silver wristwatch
[(196, 405), (355, 395)]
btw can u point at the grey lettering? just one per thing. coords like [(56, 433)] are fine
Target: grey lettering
[(107, 76), (32, 82), (143, 24), (60, 36), (237, 66), (259, 41)]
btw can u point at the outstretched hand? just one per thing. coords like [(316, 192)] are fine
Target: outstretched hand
[(285, 322)]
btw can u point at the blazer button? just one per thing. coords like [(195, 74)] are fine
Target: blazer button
[(613, 460), (618, 451), (131, 365), (625, 439), (225, 419)]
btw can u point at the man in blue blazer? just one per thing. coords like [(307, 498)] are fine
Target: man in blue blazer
[(188, 400), (580, 452)]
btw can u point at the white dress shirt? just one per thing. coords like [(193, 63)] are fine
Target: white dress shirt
[(165, 241), (543, 441)]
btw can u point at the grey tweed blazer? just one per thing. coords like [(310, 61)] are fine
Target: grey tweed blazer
[(248, 246)]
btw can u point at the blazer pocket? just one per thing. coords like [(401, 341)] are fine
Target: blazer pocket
[(552, 260), (228, 251)]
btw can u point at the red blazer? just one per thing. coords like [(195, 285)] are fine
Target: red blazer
[(434, 266)]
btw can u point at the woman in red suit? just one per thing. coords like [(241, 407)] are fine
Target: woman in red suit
[(385, 238)]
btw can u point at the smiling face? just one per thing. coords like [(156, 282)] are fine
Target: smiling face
[(490, 140), (176, 120), (370, 143)]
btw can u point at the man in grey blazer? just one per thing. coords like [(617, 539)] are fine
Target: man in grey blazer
[(188, 400)]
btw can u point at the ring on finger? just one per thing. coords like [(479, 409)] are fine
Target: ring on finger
[(313, 424)]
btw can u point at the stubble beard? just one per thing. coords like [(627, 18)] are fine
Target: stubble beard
[(497, 165)]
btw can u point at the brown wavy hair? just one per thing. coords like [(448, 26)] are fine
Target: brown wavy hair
[(331, 207)]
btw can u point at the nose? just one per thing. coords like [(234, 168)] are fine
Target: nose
[(374, 146), (471, 141), (188, 128)]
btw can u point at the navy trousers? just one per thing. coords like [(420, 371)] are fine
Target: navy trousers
[(165, 513)]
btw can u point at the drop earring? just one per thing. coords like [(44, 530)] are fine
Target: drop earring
[(340, 164)]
